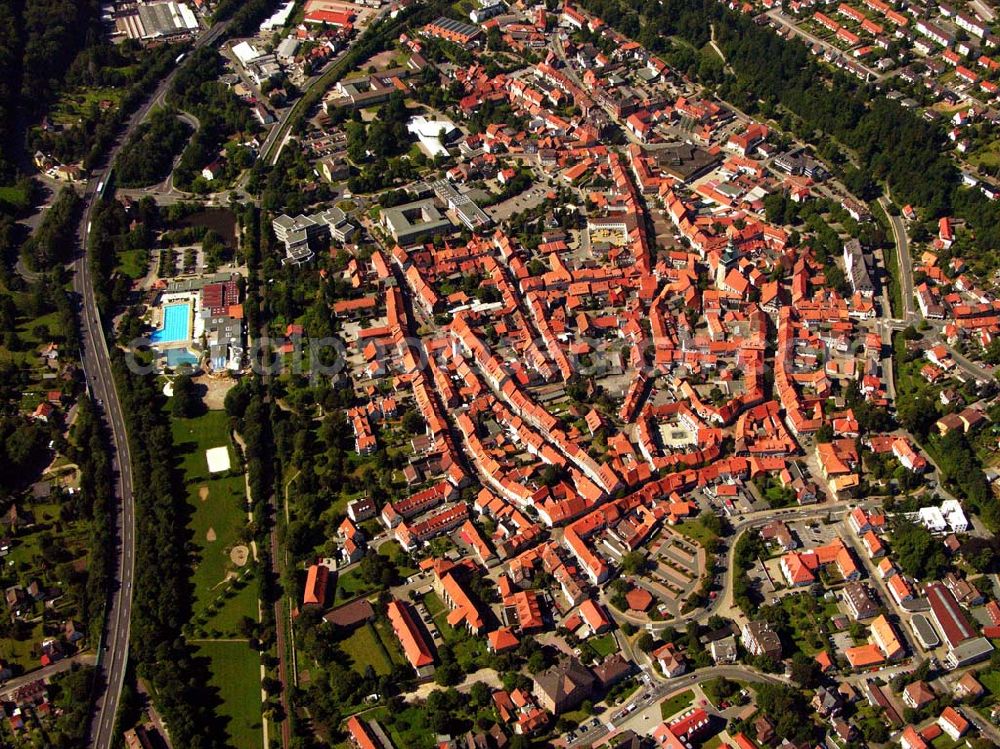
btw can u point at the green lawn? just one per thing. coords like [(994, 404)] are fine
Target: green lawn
[(238, 600), (74, 103), (944, 741), (439, 612), (694, 530), (392, 550), (469, 650), (676, 704), (390, 642), (575, 716), (987, 155), (990, 680), (434, 604), (133, 263), (235, 676), (407, 728), (604, 645), (713, 742), (217, 520), (13, 195), (365, 649), (351, 585)]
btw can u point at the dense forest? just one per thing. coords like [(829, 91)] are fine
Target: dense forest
[(149, 155), (90, 452), (53, 242), (162, 591), (125, 66), (892, 146), (220, 113), (38, 42), (23, 451)]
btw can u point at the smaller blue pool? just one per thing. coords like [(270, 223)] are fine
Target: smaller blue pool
[(179, 357), (176, 318)]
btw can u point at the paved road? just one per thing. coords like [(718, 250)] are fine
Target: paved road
[(97, 367), (657, 691), (970, 367), (904, 262), (778, 15), (86, 658), (723, 604)]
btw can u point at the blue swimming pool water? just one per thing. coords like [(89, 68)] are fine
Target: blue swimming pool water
[(175, 324), (177, 357)]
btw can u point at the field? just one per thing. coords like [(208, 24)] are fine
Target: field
[(235, 670), (351, 585), (696, 531), (394, 551), (676, 703), (365, 648), (72, 105), (133, 263), (218, 520), (604, 645)]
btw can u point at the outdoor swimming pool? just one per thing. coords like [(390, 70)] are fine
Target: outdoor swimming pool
[(178, 357), (176, 319)]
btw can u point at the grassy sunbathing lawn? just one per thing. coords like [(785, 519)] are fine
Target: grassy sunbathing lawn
[(217, 521), (235, 680)]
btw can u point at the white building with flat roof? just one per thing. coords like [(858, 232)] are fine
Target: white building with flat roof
[(949, 517)]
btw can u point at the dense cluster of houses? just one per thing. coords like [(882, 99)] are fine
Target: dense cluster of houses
[(726, 355), (939, 53)]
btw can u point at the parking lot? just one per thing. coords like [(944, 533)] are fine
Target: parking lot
[(530, 198)]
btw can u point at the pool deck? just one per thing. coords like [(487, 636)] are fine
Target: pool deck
[(194, 324)]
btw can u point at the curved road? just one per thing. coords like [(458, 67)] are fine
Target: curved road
[(96, 361), (657, 691), (723, 603)]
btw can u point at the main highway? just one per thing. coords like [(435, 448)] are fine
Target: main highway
[(96, 360)]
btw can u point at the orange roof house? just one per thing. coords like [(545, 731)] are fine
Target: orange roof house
[(360, 733), (502, 639), (863, 656), (528, 609), (800, 567), (316, 583), (594, 616), (409, 634), (639, 599), (886, 638), (463, 609)]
